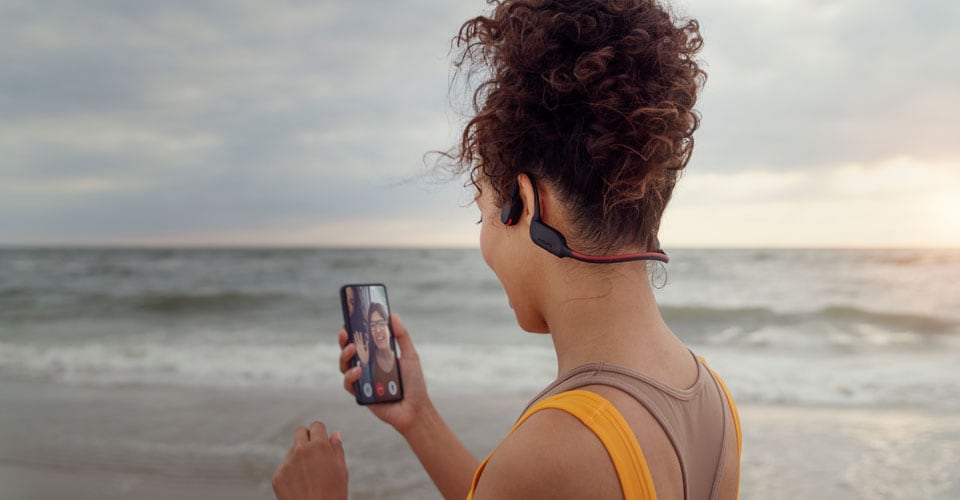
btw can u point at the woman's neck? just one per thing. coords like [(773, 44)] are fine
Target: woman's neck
[(385, 359), (612, 316)]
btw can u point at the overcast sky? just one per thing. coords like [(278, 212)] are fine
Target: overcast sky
[(825, 123)]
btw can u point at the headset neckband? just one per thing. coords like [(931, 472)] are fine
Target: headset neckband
[(551, 240)]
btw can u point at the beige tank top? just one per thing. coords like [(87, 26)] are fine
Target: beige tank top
[(695, 420)]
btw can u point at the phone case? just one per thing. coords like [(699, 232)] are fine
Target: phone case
[(375, 386)]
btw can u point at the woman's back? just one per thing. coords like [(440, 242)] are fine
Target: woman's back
[(687, 440), (690, 437)]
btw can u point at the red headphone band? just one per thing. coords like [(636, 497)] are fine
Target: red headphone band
[(659, 255)]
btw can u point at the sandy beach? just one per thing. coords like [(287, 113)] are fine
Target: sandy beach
[(59, 440)]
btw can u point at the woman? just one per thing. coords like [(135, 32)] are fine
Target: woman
[(579, 137), (357, 299), (377, 361)]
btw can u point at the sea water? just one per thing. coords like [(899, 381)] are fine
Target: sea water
[(804, 327)]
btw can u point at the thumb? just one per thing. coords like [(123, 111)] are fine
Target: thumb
[(403, 338)]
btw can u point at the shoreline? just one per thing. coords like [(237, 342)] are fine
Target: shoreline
[(59, 440)]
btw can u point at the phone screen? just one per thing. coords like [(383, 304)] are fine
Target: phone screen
[(366, 317)]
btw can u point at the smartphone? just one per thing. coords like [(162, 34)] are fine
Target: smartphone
[(366, 317)]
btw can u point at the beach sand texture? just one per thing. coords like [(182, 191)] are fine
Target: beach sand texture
[(66, 441)]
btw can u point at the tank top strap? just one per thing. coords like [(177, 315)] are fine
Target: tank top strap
[(600, 373), (730, 402), (652, 408), (603, 419), (655, 397), (736, 425)]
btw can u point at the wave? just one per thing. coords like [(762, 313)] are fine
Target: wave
[(703, 320), (42, 305), (360, 261), (175, 302), (913, 258), (918, 323), (708, 313), (893, 379)]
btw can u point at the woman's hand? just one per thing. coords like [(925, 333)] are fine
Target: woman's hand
[(363, 348), (400, 414), (314, 469)]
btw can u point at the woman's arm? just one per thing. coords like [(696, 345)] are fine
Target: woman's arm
[(550, 456), (447, 461)]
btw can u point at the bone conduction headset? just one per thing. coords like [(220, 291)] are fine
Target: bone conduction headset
[(552, 241)]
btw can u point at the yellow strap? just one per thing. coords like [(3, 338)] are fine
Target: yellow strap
[(603, 419)]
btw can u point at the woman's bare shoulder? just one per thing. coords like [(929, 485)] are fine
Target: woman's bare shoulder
[(552, 455)]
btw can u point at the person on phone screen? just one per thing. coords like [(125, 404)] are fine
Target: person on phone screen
[(357, 300), (583, 123), (358, 310), (377, 358), (356, 306)]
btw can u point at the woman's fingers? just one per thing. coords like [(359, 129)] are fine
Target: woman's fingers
[(301, 436), (350, 379), (336, 442), (318, 432), (348, 351), (315, 466), (345, 356), (403, 338)]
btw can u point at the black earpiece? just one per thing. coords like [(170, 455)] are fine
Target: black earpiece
[(553, 241), (510, 214)]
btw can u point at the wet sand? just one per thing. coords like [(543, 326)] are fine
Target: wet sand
[(59, 441)]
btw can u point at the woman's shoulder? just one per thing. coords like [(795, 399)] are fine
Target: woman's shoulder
[(553, 455)]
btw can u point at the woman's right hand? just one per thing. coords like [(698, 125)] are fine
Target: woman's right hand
[(403, 414)]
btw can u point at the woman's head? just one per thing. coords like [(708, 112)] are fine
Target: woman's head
[(593, 97), (379, 325)]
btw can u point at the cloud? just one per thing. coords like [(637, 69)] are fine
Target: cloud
[(804, 83), (899, 202), (238, 120), (132, 120)]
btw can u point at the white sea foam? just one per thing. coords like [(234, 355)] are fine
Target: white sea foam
[(145, 363), (927, 381), (753, 377)]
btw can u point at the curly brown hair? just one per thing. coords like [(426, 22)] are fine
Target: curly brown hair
[(594, 97)]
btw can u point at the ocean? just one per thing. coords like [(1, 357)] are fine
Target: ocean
[(851, 327), (152, 373)]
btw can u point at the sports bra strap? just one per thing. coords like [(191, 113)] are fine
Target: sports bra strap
[(603, 419)]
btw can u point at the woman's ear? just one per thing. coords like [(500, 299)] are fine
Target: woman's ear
[(526, 197)]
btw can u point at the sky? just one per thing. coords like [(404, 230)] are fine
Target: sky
[(176, 122)]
